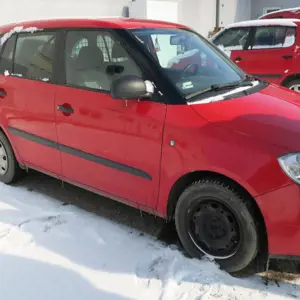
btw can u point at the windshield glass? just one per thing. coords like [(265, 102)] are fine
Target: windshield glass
[(192, 63)]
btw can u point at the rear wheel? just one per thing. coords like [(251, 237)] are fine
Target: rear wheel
[(10, 170), (293, 85), (213, 220)]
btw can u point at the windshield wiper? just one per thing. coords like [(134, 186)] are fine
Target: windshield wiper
[(225, 86), (214, 88)]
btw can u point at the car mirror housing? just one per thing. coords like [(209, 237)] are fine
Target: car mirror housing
[(129, 87)]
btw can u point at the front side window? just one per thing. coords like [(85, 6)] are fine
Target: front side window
[(233, 38), (34, 56), (95, 58), (191, 62), (274, 37)]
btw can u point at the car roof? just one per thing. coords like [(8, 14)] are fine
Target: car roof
[(266, 22), (293, 10), (125, 23)]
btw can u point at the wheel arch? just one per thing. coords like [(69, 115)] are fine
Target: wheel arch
[(186, 180), (18, 157), (290, 78)]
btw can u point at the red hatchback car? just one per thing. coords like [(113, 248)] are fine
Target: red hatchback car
[(268, 49), (97, 103)]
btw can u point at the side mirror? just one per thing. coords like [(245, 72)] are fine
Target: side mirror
[(175, 40), (130, 87)]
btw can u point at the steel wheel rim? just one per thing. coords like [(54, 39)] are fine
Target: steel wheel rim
[(3, 160), (214, 229), (296, 88)]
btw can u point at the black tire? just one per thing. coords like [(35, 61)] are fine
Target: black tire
[(207, 195), (292, 83), (13, 171)]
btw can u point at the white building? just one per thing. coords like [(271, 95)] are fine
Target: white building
[(202, 15)]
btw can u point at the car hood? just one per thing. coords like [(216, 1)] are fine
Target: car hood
[(271, 115)]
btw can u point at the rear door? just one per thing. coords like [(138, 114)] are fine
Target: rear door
[(27, 103), (270, 53)]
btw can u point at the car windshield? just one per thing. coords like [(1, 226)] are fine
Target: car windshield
[(191, 62)]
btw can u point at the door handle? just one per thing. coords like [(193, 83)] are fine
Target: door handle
[(287, 56), (65, 109), (238, 59), (2, 93)]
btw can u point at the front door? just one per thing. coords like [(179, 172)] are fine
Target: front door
[(112, 146)]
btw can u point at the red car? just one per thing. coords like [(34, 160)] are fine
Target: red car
[(269, 49), (97, 103), (289, 13)]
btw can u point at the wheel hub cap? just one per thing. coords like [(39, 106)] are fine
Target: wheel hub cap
[(295, 88), (214, 229), (3, 160)]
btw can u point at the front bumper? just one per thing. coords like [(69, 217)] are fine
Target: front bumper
[(281, 211)]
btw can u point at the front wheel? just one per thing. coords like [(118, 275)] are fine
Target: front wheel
[(212, 219), (293, 85)]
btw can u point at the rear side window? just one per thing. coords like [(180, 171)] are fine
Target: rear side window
[(274, 37), (34, 56), (6, 61), (233, 38)]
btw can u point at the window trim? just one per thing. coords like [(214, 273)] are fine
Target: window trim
[(1, 46), (271, 48), (13, 36)]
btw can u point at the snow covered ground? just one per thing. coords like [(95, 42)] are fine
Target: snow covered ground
[(49, 250)]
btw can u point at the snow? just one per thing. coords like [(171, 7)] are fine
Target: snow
[(267, 22), (149, 86), (6, 73), (222, 96), (17, 29), (53, 251)]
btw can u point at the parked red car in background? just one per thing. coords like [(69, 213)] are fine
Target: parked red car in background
[(289, 13), (268, 49), (154, 115)]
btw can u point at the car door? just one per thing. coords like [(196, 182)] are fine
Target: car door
[(111, 146), (270, 54), (234, 41), (27, 102)]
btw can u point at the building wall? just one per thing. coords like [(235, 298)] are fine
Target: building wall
[(16, 10), (234, 11), (198, 14), (259, 5)]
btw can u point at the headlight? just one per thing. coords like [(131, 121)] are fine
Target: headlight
[(290, 164)]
